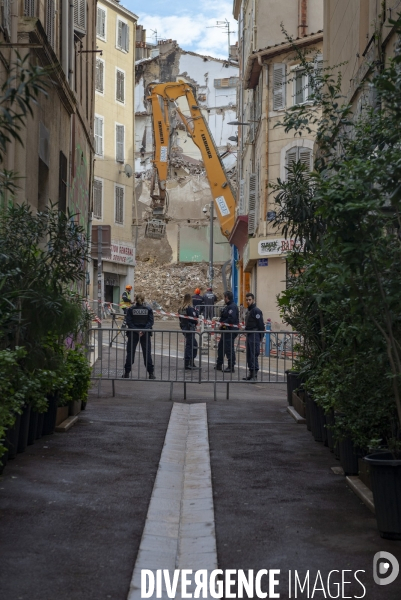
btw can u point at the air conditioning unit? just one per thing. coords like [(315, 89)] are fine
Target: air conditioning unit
[(80, 18)]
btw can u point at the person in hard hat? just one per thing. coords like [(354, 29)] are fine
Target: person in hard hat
[(126, 298), (197, 301), (209, 300)]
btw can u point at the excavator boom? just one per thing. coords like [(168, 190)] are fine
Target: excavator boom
[(163, 95)]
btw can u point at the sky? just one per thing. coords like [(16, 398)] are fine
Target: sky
[(187, 21)]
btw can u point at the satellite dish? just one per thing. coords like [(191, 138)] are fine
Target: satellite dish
[(128, 170)]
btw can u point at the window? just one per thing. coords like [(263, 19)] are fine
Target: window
[(50, 22), (62, 186), (226, 82), (101, 23), (120, 134), (99, 75), (98, 198), (120, 86), (29, 8), (99, 121), (298, 154), (279, 86), (301, 86), (80, 17), (122, 35), (6, 16), (119, 204)]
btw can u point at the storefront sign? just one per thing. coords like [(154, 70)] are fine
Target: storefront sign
[(122, 252), (275, 247)]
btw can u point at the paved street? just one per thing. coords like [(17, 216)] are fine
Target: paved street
[(73, 507)]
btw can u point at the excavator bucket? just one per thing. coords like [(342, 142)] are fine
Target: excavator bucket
[(155, 229)]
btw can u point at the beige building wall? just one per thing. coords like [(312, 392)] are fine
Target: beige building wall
[(114, 112)]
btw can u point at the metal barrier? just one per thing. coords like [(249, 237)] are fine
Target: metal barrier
[(236, 354)]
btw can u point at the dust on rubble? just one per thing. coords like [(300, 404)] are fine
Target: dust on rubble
[(166, 284)]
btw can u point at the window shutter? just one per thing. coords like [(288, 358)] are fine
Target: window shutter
[(50, 13), (242, 197), (120, 34), (99, 75), (120, 143), (62, 187), (279, 86), (120, 86), (253, 193), (101, 23), (291, 157), (99, 136), (6, 16), (97, 198), (119, 204), (29, 8), (305, 157), (80, 16), (126, 46)]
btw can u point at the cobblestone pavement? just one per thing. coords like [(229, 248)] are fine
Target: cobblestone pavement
[(74, 506)]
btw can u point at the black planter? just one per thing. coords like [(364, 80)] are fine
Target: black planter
[(12, 438), (33, 424), (39, 426), (385, 473), (348, 456), (316, 421), (24, 429), (308, 402), (322, 420), (337, 451), (293, 383), (330, 420), (3, 461), (83, 405), (49, 417)]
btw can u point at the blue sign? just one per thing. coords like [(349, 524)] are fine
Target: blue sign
[(263, 262)]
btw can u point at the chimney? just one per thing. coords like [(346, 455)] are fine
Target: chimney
[(302, 18)]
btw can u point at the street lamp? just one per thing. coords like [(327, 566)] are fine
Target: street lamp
[(210, 207)]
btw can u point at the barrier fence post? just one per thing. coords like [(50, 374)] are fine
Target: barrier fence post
[(267, 341)]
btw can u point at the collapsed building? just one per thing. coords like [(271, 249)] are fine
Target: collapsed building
[(215, 84)]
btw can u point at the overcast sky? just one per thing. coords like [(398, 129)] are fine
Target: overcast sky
[(187, 21)]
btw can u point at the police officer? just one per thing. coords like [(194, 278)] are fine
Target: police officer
[(126, 299), (188, 326), (255, 329), (229, 322), (197, 301), (209, 299), (139, 319)]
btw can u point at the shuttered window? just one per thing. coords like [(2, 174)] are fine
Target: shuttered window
[(62, 186), (50, 22), (296, 154), (101, 23), (80, 15), (301, 86), (226, 82), (6, 16), (120, 131), (29, 8), (122, 36), (99, 75), (98, 198), (99, 121), (120, 86), (241, 208), (119, 204), (253, 212), (279, 86)]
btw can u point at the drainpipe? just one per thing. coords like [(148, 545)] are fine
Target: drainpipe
[(64, 36), (72, 46), (13, 61), (302, 18)]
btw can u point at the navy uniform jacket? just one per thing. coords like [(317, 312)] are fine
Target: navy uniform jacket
[(188, 324), (254, 320), (140, 316), (197, 302), (209, 298), (230, 315)]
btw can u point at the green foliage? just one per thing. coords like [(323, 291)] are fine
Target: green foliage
[(344, 291)]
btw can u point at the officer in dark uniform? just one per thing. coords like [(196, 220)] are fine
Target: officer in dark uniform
[(197, 302), (140, 319), (188, 327), (229, 322), (209, 299), (255, 330)]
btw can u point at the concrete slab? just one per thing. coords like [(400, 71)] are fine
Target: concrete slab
[(67, 424)]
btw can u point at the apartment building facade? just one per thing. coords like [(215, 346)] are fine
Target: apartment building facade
[(54, 163), (113, 187), (271, 81)]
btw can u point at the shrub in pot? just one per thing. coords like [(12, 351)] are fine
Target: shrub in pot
[(385, 475)]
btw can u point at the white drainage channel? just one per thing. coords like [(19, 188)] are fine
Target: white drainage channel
[(179, 531)]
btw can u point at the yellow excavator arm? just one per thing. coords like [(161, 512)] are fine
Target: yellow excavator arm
[(161, 96)]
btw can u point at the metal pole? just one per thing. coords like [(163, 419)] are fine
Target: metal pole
[(211, 270), (99, 285)]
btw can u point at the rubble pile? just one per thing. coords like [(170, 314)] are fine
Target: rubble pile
[(166, 284)]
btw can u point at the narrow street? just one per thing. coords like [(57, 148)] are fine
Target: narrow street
[(73, 507)]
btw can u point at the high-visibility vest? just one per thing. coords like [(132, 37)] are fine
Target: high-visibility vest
[(126, 300)]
